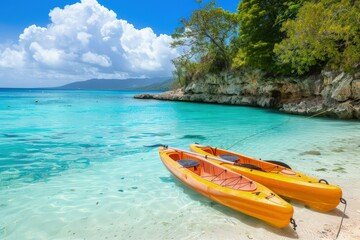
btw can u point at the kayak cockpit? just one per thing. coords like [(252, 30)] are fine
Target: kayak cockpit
[(212, 172), (226, 186), (246, 162)]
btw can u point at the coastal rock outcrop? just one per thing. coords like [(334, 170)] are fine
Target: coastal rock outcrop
[(332, 94), (355, 89), (341, 87)]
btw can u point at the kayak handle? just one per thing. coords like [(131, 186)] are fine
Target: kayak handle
[(323, 180)]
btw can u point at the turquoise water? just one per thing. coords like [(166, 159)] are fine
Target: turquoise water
[(73, 163)]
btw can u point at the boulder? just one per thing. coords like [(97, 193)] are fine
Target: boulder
[(338, 78), (225, 99), (326, 91), (196, 87), (357, 75), (290, 90), (249, 89), (248, 100), (341, 90), (315, 110), (301, 108), (328, 76), (230, 89), (264, 102), (289, 108), (355, 89), (317, 87), (357, 112), (311, 86), (144, 96), (344, 110)]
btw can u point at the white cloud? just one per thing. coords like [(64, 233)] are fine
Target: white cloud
[(87, 40), (11, 58), (31, 32), (93, 58), (51, 56), (84, 38)]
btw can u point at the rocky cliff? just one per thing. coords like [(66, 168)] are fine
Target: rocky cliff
[(332, 94)]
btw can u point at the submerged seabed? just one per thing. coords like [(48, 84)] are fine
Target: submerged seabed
[(73, 165)]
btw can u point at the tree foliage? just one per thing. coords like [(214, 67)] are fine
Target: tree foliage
[(280, 37), (325, 33), (208, 40), (260, 24), (185, 70)]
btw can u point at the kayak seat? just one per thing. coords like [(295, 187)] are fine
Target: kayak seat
[(229, 157), (251, 166), (188, 163)]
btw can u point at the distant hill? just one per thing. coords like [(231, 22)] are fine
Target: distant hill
[(161, 86), (161, 83)]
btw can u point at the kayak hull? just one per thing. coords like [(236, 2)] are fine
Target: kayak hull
[(317, 194), (256, 201)]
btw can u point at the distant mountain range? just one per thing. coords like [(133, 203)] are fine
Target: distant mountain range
[(160, 83)]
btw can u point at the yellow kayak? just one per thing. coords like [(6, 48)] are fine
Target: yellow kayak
[(313, 192), (227, 187)]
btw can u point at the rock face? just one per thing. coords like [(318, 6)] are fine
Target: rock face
[(332, 94)]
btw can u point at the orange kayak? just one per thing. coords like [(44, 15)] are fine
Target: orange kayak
[(227, 187), (313, 192)]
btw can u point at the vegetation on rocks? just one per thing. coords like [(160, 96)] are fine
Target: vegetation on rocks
[(325, 33), (260, 29), (291, 37)]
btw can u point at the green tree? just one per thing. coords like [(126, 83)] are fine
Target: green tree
[(208, 38), (325, 33), (260, 24), (185, 70)]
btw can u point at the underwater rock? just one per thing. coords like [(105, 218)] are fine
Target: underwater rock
[(193, 136), (321, 169), (11, 135), (312, 152), (338, 150), (339, 169)]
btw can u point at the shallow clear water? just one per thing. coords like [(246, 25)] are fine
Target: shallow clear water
[(73, 163)]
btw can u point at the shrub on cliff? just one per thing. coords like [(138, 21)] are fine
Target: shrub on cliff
[(326, 33), (260, 29)]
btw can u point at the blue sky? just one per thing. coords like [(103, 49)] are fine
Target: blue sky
[(42, 42)]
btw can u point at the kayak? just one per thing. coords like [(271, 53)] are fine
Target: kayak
[(317, 194), (227, 187)]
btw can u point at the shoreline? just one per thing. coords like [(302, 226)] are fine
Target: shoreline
[(178, 95), (329, 94)]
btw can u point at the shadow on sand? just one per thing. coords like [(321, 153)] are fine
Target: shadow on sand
[(248, 220)]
